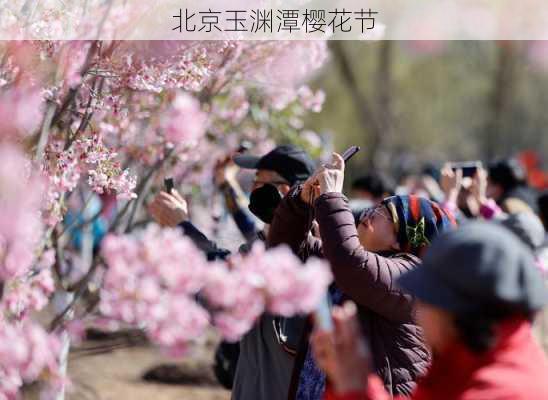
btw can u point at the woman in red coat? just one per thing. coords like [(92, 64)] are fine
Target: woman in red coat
[(477, 292)]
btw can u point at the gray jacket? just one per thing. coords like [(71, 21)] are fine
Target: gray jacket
[(265, 364)]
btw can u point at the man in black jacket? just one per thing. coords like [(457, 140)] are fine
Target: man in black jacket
[(266, 353)]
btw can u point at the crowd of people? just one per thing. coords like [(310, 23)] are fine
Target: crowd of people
[(439, 281)]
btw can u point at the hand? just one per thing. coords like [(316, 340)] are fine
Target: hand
[(331, 177), (478, 188), (168, 209), (323, 349), (451, 183), (225, 171), (343, 355), (310, 191)]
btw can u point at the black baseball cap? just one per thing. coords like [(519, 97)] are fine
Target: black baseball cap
[(479, 266), (291, 162)]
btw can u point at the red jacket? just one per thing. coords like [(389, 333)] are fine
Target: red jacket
[(516, 369)]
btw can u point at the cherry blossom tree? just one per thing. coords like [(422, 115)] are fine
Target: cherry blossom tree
[(87, 131)]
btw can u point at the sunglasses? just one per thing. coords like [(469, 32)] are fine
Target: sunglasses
[(374, 212)]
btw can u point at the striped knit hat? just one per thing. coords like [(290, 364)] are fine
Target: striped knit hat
[(417, 221)]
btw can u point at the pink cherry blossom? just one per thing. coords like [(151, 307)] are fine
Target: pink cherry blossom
[(310, 100), (184, 123), (234, 107), (150, 280), (26, 351), (112, 114), (273, 281), (237, 297), (72, 61), (151, 277), (290, 288), (20, 111), (20, 225)]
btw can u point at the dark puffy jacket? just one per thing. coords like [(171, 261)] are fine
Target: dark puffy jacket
[(387, 315)]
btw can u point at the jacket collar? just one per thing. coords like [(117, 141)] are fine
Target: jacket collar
[(457, 363)]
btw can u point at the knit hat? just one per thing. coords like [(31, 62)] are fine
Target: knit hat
[(417, 220)]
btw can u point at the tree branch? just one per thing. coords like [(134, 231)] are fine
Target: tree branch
[(366, 113)]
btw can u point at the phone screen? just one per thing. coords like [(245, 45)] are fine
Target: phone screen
[(469, 168), (322, 315)]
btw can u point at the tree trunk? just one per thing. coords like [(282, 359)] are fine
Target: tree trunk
[(504, 81), (384, 104), (375, 116)]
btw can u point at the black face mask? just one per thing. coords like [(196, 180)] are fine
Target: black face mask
[(263, 202)]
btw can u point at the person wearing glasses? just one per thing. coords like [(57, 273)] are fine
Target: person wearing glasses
[(366, 259)]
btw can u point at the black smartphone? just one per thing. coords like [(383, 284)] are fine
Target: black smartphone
[(350, 152), (469, 168), (168, 184)]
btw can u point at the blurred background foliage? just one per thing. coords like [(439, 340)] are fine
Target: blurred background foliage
[(411, 103)]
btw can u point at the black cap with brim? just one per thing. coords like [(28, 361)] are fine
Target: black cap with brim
[(478, 267), (246, 161), (430, 290), (290, 162)]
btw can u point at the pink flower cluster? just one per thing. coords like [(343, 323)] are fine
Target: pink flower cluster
[(237, 299), (274, 281), (311, 100), (71, 60), (87, 155), (150, 281), (25, 294), (104, 170), (153, 280), (20, 225), (234, 107), (133, 102), (184, 123), (26, 352), (20, 111)]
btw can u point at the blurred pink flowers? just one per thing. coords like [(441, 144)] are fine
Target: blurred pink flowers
[(111, 110), (184, 123), (274, 281), (150, 281), (20, 224), (26, 351), (289, 287), (21, 110), (153, 280)]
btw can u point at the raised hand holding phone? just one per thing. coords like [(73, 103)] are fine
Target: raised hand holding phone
[(330, 178), (168, 208), (312, 188)]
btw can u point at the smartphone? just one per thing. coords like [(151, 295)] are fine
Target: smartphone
[(168, 184), (350, 152), (469, 168), (322, 315)]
